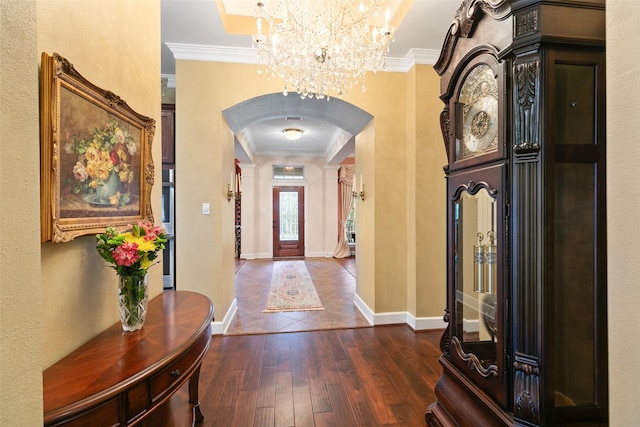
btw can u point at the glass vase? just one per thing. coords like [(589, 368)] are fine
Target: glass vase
[(132, 301)]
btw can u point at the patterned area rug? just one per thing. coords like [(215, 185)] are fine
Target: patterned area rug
[(292, 289)]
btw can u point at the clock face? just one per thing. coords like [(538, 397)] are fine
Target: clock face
[(479, 112)]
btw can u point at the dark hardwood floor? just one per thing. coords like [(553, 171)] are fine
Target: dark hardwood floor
[(376, 376)]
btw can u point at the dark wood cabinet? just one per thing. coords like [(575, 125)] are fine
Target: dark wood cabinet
[(168, 136), (523, 83)]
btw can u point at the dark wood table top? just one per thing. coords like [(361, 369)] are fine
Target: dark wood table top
[(114, 360)]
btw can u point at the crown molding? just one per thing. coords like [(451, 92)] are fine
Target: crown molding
[(245, 55), (413, 57), (425, 56), (198, 52)]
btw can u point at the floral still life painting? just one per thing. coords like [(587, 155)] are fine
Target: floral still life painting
[(96, 164), (103, 172)]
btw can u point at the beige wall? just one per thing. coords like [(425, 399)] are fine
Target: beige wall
[(412, 190), (205, 89), (204, 162), (55, 297), (20, 288), (623, 193), (430, 196), (366, 216), (115, 46)]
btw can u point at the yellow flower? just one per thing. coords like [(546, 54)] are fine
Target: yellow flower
[(143, 245), (103, 171), (122, 154), (115, 199), (92, 154), (91, 169), (145, 263), (105, 156)]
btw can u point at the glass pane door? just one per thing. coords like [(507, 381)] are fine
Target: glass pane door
[(288, 222)]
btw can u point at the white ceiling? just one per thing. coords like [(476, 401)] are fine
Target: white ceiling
[(193, 29)]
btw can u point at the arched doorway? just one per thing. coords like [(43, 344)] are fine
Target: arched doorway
[(332, 127)]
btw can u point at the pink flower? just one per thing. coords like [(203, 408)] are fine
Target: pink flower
[(79, 172), (126, 254), (151, 232)]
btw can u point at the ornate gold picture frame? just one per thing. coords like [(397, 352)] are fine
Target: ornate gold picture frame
[(96, 166)]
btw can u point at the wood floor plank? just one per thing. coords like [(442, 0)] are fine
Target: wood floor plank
[(264, 417), (373, 360), (245, 408), (407, 360), (301, 355), (362, 412), (329, 350), (303, 410), (382, 394), (324, 419), (369, 377), (270, 358), (388, 351), (267, 389), (253, 364), (316, 381), (229, 398), (283, 362), (284, 413), (341, 405)]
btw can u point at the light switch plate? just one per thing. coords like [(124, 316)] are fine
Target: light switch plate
[(206, 209)]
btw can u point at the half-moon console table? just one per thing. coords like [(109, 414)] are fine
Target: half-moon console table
[(120, 379)]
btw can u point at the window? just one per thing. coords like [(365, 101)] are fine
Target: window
[(288, 172), (350, 228)]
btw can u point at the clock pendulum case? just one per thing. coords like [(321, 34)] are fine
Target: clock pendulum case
[(523, 86)]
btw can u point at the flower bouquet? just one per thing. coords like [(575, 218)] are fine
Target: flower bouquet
[(131, 254)]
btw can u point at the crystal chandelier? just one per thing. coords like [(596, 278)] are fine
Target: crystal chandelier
[(321, 46)]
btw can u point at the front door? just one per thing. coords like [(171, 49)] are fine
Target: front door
[(288, 222)]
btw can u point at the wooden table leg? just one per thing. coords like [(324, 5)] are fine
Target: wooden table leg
[(193, 395)]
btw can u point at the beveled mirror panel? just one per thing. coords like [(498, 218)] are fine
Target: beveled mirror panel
[(476, 274)]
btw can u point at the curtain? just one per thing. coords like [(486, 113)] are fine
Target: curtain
[(345, 179)]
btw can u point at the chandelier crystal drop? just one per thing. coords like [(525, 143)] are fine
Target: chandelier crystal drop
[(318, 47)]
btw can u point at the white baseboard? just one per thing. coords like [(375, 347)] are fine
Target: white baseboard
[(219, 328), (318, 255), (255, 256), (392, 318), (364, 309), (425, 323), (266, 255)]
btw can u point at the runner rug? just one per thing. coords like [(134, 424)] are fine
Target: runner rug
[(292, 289)]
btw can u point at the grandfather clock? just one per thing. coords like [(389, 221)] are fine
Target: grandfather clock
[(523, 83)]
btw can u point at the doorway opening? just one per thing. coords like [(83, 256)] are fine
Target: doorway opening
[(288, 222)]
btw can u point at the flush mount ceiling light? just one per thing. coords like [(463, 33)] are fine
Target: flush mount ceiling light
[(292, 134), (323, 46)]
